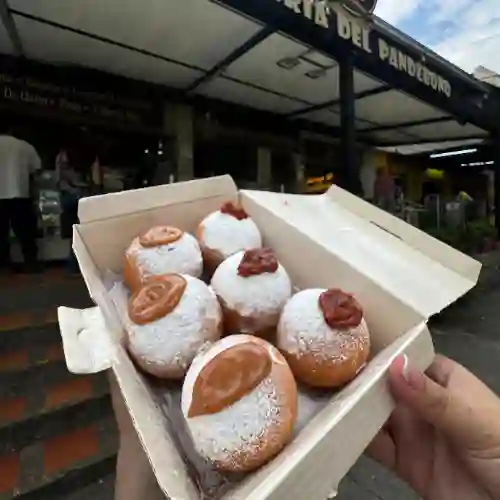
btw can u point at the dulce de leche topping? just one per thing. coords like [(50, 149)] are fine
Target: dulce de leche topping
[(231, 208), (228, 377), (156, 298), (340, 310), (160, 235), (258, 261)]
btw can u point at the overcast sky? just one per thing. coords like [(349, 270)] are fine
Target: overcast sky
[(466, 32)]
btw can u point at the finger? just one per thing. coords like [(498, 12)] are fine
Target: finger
[(441, 370), (458, 415), (383, 450), (403, 427)]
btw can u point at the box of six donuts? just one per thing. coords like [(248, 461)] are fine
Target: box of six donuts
[(247, 334)]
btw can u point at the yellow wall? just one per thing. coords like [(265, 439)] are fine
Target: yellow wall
[(382, 161), (415, 176), (398, 165)]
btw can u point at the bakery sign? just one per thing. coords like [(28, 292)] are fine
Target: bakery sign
[(351, 25), (34, 92)]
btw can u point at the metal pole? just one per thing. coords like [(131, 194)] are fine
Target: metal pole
[(496, 180), (350, 179), (10, 26)]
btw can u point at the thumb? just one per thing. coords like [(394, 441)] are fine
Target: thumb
[(459, 415)]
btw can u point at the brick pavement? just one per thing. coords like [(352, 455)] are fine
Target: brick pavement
[(57, 430)]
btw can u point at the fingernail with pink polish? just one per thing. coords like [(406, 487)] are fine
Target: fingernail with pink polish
[(406, 367)]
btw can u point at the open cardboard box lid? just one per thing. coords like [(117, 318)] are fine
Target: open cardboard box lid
[(400, 275)]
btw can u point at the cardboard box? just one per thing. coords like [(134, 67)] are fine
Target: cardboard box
[(400, 275)]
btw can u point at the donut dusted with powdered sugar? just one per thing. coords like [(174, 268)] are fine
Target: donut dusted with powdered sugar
[(161, 250), (225, 232), (239, 399), (324, 337), (252, 288), (171, 317)]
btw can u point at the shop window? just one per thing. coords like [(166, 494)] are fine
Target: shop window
[(282, 169), (230, 156)]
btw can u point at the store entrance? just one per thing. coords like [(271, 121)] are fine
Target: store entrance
[(104, 161), (283, 171), (321, 165), (220, 155)]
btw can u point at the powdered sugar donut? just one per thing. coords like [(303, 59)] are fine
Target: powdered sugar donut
[(225, 232), (239, 399), (252, 288), (324, 337), (170, 318), (161, 250)]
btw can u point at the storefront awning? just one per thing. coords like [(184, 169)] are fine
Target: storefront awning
[(204, 48)]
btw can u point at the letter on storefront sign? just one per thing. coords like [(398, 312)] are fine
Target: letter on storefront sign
[(343, 26), (402, 64), (420, 72), (393, 57), (383, 49), (366, 40), (434, 81), (320, 16), (307, 6), (427, 77), (356, 35), (444, 86), (412, 69), (294, 5), (360, 36)]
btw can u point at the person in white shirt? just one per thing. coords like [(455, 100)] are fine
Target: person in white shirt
[(19, 161)]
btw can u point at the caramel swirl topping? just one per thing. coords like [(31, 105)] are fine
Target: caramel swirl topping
[(160, 235), (228, 377), (258, 261), (231, 208), (158, 297), (340, 310)]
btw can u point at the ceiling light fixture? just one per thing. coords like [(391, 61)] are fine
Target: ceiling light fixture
[(314, 74), (478, 164), (454, 153), (288, 62)]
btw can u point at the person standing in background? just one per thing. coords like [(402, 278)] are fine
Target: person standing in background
[(384, 190), (97, 176), (83, 158), (72, 187), (468, 206), (399, 196), (19, 162)]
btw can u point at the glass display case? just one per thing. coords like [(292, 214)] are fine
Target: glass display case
[(49, 205), (51, 245)]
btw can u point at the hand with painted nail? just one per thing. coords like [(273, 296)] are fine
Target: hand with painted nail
[(443, 439)]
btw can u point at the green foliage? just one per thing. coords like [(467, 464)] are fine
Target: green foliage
[(481, 228), (476, 237), (450, 236)]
